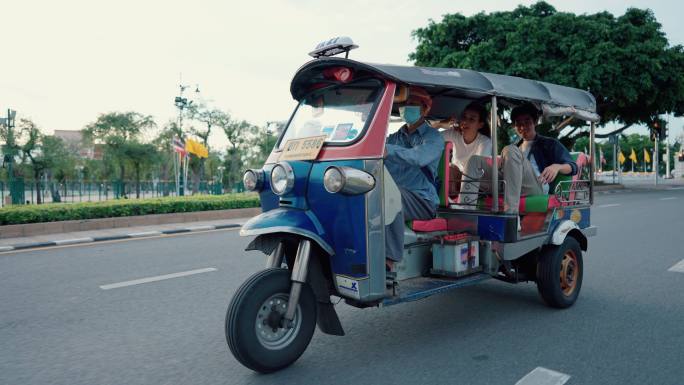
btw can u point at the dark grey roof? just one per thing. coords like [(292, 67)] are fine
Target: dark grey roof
[(457, 83)]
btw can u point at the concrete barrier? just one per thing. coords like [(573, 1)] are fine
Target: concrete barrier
[(33, 229)]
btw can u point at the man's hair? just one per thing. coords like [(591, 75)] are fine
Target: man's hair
[(525, 109)]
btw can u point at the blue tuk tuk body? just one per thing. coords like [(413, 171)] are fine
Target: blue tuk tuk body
[(321, 243)]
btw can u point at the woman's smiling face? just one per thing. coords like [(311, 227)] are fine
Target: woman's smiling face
[(470, 121)]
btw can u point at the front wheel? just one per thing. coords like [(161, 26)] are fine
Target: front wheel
[(255, 320), (559, 273)]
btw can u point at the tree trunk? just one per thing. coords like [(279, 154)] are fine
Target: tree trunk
[(137, 181), (39, 199), (122, 185)]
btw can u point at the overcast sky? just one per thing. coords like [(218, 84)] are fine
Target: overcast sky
[(65, 62)]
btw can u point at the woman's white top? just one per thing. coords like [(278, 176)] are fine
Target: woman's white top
[(482, 145)]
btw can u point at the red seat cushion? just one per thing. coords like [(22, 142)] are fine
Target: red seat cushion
[(426, 226)]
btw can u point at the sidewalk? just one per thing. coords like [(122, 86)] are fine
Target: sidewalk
[(20, 243)]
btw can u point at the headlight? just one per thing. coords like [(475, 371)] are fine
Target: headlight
[(282, 178), (347, 180), (333, 180), (253, 180)]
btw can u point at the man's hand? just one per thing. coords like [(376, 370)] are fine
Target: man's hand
[(549, 174)]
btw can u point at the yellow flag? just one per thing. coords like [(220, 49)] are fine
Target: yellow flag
[(197, 148), (621, 158), (647, 156), (632, 156)]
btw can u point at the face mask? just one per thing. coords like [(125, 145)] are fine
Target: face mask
[(410, 114)]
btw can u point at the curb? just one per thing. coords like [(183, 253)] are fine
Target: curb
[(75, 241)]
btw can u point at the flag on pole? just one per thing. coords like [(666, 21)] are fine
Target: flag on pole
[(632, 156), (178, 145), (621, 158), (647, 156), (196, 148)]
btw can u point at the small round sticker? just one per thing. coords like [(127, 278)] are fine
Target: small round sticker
[(560, 214), (576, 216)]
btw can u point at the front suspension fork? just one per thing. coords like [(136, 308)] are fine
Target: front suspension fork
[(298, 278)]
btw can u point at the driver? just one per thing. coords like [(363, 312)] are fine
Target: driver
[(412, 158)]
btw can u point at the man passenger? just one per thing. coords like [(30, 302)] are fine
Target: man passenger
[(527, 167), (412, 156)]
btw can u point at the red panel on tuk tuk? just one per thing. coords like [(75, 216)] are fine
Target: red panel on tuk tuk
[(372, 144)]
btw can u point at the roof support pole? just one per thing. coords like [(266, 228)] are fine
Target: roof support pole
[(592, 156), (495, 165)]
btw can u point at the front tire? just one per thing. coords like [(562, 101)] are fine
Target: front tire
[(254, 330), (560, 273)]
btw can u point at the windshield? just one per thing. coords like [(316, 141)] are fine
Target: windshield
[(340, 112)]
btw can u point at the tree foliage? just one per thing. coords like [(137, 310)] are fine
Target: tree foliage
[(121, 135), (626, 62)]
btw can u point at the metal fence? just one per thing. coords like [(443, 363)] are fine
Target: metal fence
[(22, 191)]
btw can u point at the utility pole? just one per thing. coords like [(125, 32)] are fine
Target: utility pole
[(9, 153), (181, 103)]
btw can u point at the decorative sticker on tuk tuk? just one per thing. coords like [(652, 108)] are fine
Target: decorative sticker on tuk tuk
[(342, 131), (348, 287), (576, 216), (303, 149)]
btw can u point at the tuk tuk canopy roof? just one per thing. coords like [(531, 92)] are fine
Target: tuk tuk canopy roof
[(449, 83)]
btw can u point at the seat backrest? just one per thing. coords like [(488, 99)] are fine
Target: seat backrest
[(443, 174)]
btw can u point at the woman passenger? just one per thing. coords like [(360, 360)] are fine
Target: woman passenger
[(470, 136)]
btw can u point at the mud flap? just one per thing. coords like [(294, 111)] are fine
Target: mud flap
[(327, 320)]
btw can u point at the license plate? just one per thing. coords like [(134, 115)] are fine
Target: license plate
[(303, 148)]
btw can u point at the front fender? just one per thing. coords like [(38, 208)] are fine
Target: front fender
[(287, 220)]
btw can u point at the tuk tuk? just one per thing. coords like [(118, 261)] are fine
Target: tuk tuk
[(327, 196)]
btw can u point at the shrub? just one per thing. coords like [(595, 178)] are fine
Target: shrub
[(54, 212)]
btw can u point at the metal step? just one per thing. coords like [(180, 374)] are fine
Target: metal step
[(421, 287)]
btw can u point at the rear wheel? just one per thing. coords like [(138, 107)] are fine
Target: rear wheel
[(560, 273), (255, 322)]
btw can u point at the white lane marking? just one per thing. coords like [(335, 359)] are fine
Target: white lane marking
[(668, 198), (73, 241), (155, 279), (678, 267), (145, 234), (200, 228), (543, 376), (610, 205)]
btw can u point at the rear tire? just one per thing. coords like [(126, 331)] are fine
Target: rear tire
[(560, 273), (253, 315)]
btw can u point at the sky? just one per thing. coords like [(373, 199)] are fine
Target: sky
[(65, 62)]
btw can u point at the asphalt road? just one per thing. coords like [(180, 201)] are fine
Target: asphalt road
[(58, 326)]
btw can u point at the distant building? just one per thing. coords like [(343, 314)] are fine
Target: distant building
[(74, 141)]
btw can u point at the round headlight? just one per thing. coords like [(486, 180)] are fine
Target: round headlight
[(253, 180), (333, 180), (282, 178)]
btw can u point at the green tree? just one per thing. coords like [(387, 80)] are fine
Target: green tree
[(208, 117), (626, 62), (121, 135), (45, 155), (140, 155), (238, 133)]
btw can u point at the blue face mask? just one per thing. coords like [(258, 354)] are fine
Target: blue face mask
[(410, 114)]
